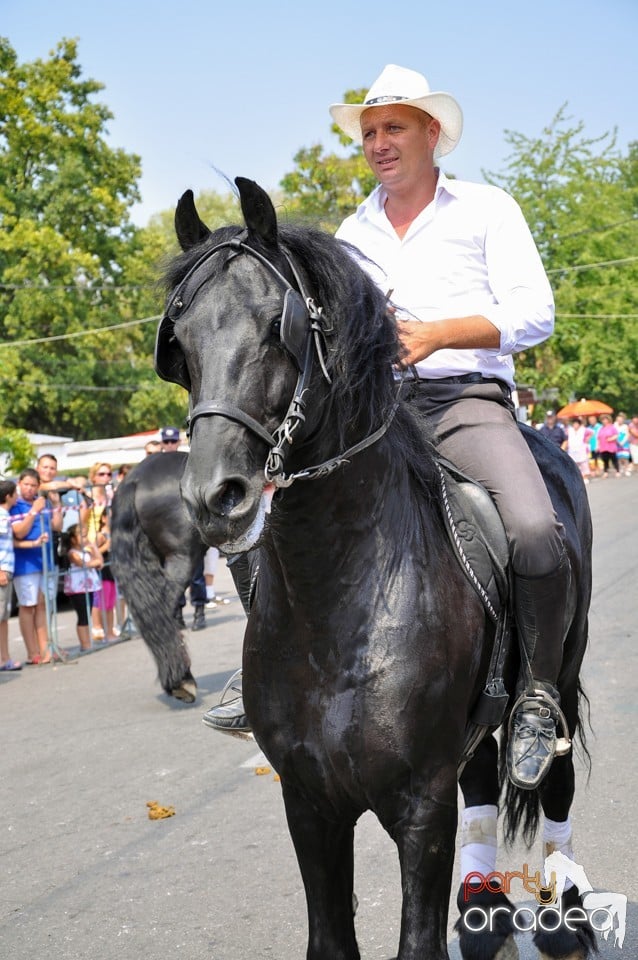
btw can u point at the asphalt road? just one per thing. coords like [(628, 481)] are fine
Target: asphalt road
[(84, 873)]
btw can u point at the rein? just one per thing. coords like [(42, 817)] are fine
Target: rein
[(315, 331)]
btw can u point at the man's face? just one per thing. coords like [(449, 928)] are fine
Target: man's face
[(47, 468), (29, 489), (169, 446), (398, 143)]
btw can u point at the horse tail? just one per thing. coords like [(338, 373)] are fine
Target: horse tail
[(522, 808), (150, 593)]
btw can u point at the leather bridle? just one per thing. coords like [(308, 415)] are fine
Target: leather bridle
[(303, 332)]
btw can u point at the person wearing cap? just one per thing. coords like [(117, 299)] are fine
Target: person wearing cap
[(169, 439), (552, 430), (469, 290)]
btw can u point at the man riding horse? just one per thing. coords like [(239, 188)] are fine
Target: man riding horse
[(470, 291)]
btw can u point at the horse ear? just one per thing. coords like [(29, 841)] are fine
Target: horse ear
[(189, 228), (258, 211)]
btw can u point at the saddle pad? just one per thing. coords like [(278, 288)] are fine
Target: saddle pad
[(477, 535)]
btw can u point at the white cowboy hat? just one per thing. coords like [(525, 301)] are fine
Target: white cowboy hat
[(400, 85)]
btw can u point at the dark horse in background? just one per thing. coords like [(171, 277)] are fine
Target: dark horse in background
[(366, 646), (155, 549)]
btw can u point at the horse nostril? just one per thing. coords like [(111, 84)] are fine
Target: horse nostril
[(228, 496)]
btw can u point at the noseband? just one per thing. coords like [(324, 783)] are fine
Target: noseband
[(303, 331)]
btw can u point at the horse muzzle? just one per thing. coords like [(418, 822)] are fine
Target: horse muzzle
[(228, 512)]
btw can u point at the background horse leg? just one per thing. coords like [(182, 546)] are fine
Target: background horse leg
[(151, 589), (425, 840), (477, 939), (178, 571), (326, 859)]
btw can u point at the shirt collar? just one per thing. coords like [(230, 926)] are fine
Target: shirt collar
[(374, 204)]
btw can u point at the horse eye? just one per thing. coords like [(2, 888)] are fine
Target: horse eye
[(275, 328)]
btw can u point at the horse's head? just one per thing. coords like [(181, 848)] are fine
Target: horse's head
[(257, 354)]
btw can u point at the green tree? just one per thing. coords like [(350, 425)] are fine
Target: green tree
[(326, 187), (16, 451), (580, 198), (65, 242)]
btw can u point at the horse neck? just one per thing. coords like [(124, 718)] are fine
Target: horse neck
[(367, 508)]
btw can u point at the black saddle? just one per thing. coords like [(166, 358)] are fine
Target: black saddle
[(477, 535), (480, 545)]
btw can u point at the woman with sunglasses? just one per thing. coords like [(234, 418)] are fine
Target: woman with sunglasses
[(100, 492)]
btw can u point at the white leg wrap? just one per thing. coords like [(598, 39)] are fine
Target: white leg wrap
[(557, 836), (478, 840)]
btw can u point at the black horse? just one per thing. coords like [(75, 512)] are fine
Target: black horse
[(155, 549), (366, 646)]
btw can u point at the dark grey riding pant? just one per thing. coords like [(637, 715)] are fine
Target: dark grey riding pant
[(475, 427)]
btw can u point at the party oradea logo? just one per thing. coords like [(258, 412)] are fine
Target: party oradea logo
[(606, 912)]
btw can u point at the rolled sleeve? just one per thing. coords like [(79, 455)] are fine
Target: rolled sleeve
[(524, 308)]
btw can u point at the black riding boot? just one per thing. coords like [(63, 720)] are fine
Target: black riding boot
[(539, 606), (229, 715), (199, 617)]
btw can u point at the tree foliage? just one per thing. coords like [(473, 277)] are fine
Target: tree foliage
[(71, 261), (326, 187), (69, 256), (580, 198), (16, 451)]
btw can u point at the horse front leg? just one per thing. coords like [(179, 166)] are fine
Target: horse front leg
[(480, 939), (425, 841), (326, 859)]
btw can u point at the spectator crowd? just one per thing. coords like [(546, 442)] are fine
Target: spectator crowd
[(55, 536), (55, 530), (600, 445)]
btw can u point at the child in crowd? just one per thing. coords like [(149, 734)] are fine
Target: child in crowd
[(82, 580), (105, 599), (8, 499), (577, 446)]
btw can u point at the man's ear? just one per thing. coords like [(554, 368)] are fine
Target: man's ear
[(434, 132)]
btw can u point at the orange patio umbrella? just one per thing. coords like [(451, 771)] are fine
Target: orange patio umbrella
[(584, 408)]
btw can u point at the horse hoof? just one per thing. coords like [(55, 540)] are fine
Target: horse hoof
[(509, 950), (187, 691)]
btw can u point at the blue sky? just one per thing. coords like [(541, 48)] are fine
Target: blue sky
[(243, 86)]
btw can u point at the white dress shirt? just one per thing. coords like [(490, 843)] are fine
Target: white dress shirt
[(469, 252)]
